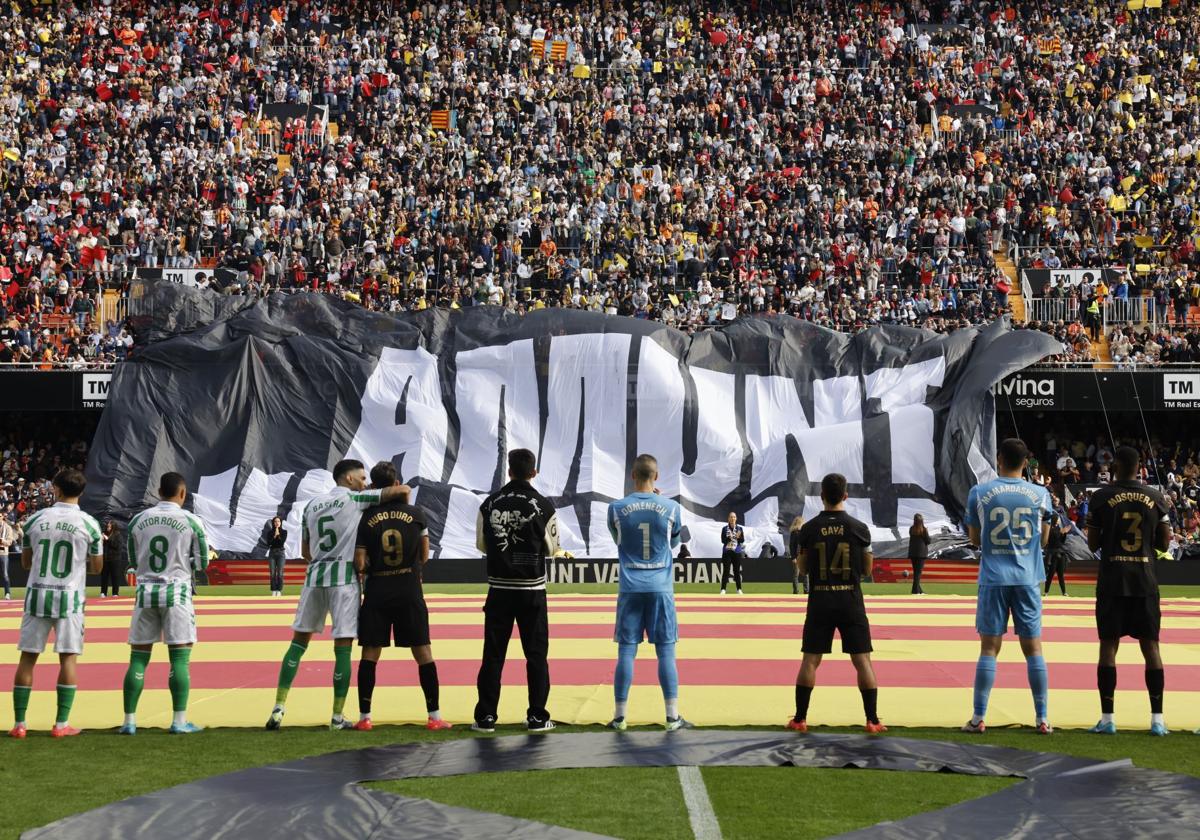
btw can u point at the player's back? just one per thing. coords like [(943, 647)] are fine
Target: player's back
[(1128, 514), (645, 527), (60, 539), (835, 545), (391, 535), (1009, 513), (166, 543), (330, 527)]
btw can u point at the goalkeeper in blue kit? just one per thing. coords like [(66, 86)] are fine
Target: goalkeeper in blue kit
[(646, 526)]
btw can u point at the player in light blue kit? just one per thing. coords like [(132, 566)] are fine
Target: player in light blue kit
[(646, 527), (1009, 519)]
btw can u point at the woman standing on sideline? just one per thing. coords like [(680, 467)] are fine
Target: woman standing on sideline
[(794, 551), (918, 550), (276, 540), (733, 540)]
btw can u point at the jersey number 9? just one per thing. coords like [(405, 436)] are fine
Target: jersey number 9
[(392, 542)]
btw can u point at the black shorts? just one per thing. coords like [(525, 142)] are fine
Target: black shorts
[(830, 612), (405, 620), (1138, 616)]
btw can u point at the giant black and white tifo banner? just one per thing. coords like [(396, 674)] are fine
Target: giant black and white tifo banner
[(255, 401)]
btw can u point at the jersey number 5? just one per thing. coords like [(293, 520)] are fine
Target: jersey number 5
[(327, 537)]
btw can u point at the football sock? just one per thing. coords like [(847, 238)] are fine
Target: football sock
[(672, 705), (180, 680), (428, 675), (623, 676), (135, 679), (803, 695), (287, 671), (1035, 667), (985, 678), (366, 685), (341, 677), (619, 711), (870, 698), (1106, 681), (66, 699), (668, 673), (21, 702), (1155, 681)]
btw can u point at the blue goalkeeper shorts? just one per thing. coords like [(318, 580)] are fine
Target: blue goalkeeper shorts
[(996, 602), (646, 615)]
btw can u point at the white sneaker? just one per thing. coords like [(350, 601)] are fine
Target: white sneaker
[(722, 591), (739, 592), (7, 596)]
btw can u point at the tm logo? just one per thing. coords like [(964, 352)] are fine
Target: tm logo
[(1181, 386), (94, 387)]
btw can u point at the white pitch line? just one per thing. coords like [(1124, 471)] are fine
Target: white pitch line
[(699, 808)]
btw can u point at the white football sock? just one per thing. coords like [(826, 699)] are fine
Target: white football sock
[(180, 718), (435, 715), (673, 707), (1106, 718), (619, 712), (131, 720)]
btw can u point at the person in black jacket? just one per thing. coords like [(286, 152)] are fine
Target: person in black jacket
[(517, 530), (733, 549), (918, 550), (794, 548), (1056, 557), (276, 538), (114, 561)]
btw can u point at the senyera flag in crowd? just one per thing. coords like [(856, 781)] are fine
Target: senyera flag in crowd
[(255, 401)]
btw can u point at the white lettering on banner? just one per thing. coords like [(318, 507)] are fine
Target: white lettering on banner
[(597, 367), (408, 377), (403, 416), (1181, 390), (1024, 386), (482, 374)]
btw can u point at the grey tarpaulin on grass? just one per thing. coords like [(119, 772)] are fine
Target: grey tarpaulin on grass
[(319, 797)]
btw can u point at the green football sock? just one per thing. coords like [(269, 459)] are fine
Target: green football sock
[(180, 681), (341, 678), (21, 702), (66, 699), (287, 671), (135, 679)]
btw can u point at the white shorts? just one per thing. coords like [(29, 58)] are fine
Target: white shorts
[(341, 602), (68, 633), (175, 625)]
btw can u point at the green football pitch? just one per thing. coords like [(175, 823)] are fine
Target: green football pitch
[(44, 779)]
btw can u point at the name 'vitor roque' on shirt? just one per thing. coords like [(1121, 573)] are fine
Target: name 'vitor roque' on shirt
[(165, 544), (330, 527), (1127, 514)]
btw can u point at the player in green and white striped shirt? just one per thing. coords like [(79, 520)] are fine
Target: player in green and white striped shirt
[(165, 544), (61, 546), (328, 536)]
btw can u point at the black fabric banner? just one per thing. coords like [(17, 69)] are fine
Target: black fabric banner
[(254, 401)]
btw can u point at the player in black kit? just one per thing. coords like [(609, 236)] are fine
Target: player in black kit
[(392, 546), (1128, 525), (835, 552)]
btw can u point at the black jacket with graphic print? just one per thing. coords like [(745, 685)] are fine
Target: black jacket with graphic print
[(517, 530)]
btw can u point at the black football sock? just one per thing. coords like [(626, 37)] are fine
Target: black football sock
[(870, 697), (1155, 681), (803, 695), (429, 684), (1106, 681), (366, 685)]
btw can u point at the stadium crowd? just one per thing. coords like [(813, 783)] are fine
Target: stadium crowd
[(850, 163)]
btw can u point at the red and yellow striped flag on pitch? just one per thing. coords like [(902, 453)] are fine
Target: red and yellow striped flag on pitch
[(439, 120)]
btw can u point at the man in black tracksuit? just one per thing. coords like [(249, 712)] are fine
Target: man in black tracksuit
[(517, 530)]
